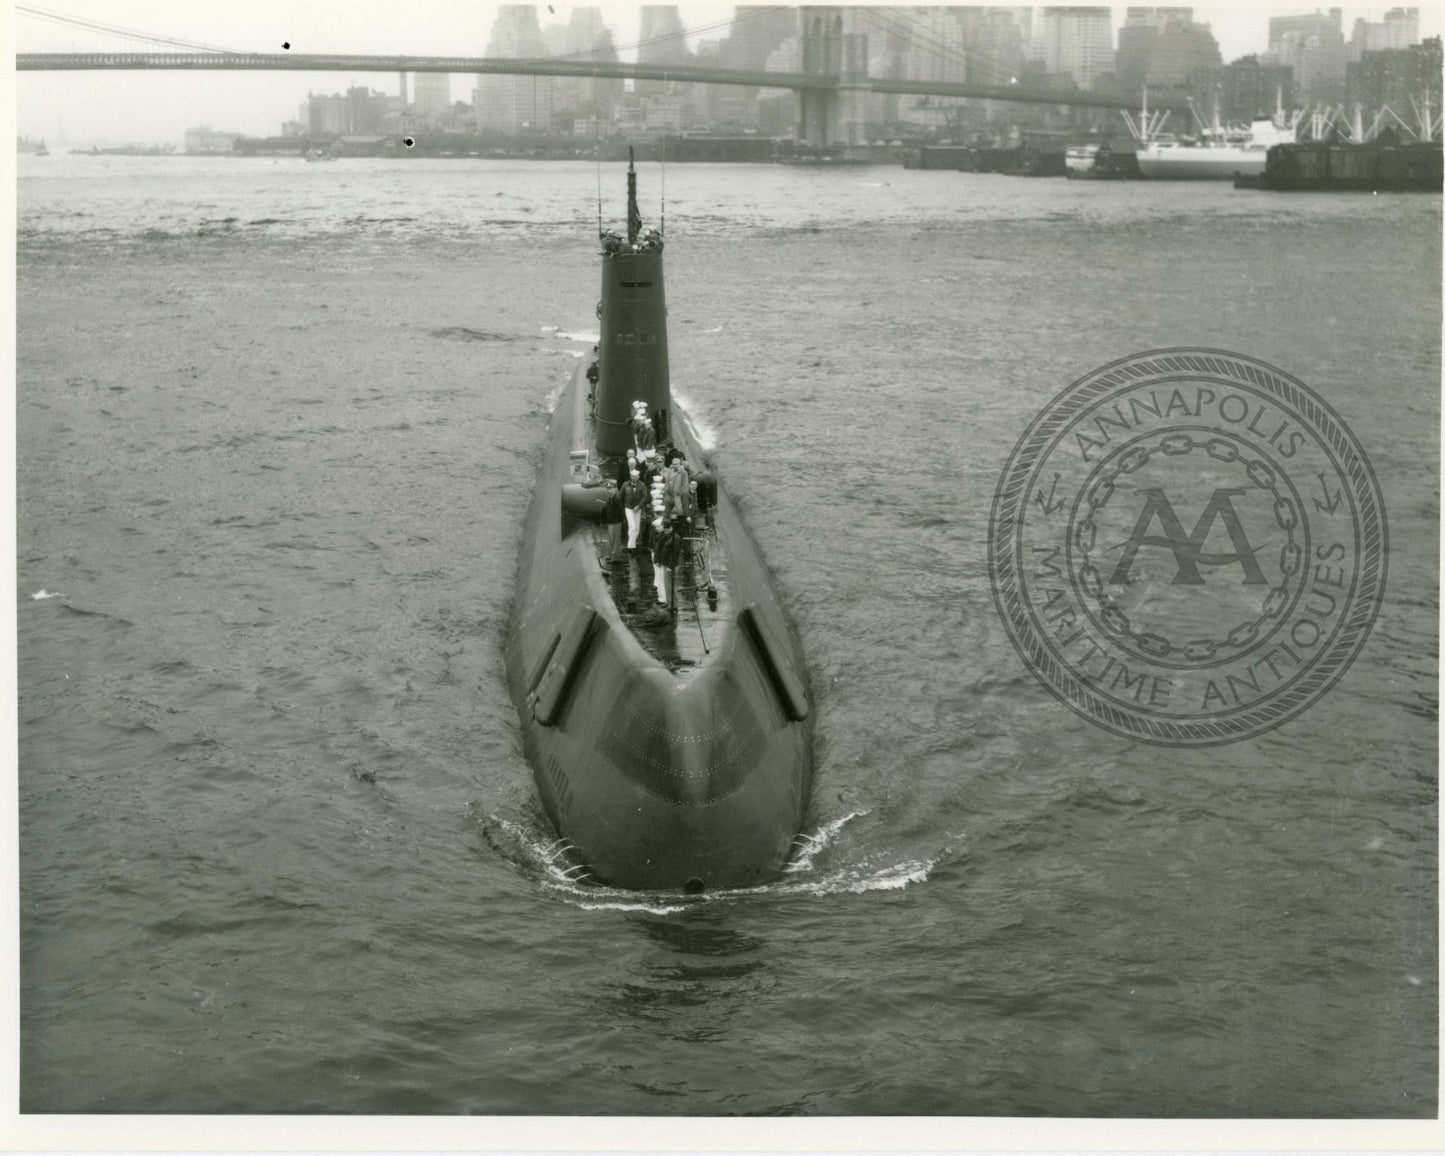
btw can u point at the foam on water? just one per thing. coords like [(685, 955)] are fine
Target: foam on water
[(706, 434), (550, 861), (589, 337)]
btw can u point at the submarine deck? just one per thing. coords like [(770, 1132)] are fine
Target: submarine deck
[(684, 634)]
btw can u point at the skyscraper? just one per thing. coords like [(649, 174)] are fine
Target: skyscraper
[(585, 37), (514, 104), (661, 41), (1314, 46), (1399, 29), (1077, 42), (1164, 48)]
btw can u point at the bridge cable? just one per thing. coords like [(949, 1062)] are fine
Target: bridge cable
[(901, 24), (115, 30)]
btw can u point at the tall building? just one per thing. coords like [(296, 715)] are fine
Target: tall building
[(323, 115), (1077, 42), (996, 41), (755, 32), (1314, 46), (934, 43), (1164, 48), (584, 37), (431, 94), (1399, 29), (1317, 25), (662, 40), (513, 105)]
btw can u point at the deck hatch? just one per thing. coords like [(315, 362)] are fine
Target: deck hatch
[(786, 683), (557, 682)]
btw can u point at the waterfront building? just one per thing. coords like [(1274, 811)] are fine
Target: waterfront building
[(205, 140), (1250, 88), (365, 111), (432, 96), (356, 113), (1076, 42), (663, 113), (327, 115)]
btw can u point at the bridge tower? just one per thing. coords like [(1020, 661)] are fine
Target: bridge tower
[(833, 46)]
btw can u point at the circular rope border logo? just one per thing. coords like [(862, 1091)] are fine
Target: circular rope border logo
[(1186, 420)]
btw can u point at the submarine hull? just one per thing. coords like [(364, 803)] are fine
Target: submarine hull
[(691, 776)]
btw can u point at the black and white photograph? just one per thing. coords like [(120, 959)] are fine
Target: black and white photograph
[(633, 568)]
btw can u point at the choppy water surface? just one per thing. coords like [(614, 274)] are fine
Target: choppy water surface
[(280, 851)]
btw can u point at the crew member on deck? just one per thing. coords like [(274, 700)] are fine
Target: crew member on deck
[(676, 478), (666, 546), (625, 468), (613, 513), (634, 495), (646, 438)]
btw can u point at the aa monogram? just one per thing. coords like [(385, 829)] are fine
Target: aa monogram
[(1188, 547)]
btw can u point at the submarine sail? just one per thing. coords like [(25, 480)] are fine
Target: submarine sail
[(664, 700)]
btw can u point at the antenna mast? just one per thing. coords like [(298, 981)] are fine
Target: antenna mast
[(634, 218)]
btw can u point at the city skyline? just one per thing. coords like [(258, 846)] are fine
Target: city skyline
[(160, 106)]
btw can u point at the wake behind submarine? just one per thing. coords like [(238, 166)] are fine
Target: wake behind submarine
[(664, 701)]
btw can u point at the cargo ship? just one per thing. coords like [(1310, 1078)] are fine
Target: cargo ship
[(663, 696), (1212, 158)]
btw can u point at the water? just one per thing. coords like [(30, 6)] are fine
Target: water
[(280, 851)]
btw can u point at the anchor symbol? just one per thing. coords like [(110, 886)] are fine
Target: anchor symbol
[(1047, 504), (1330, 504)]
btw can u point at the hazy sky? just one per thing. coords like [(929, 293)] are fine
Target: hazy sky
[(159, 106)]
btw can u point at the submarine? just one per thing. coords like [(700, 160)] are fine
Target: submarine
[(671, 745)]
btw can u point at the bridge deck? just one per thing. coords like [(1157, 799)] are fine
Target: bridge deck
[(546, 66)]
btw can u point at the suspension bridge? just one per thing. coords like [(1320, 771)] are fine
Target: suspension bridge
[(830, 85)]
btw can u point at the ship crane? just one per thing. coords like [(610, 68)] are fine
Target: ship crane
[(1429, 127), (1149, 126)]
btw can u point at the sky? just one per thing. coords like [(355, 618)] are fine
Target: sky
[(157, 107)]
